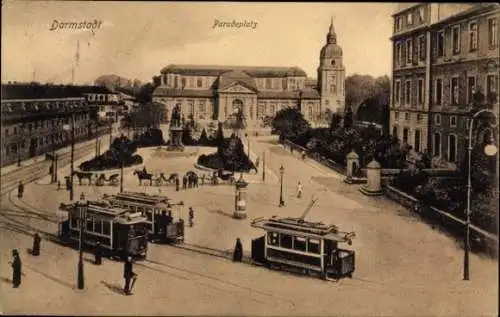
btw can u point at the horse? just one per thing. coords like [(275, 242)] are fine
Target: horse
[(172, 177), (160, 179), (141, 176), (83, 175)]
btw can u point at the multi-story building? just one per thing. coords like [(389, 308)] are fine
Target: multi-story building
[(217, 92), (33, 116), (444, 56)]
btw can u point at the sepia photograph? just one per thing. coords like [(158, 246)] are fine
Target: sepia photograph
[(170, 158)]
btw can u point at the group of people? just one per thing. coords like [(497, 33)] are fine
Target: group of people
[(16, 262), (189, 180)]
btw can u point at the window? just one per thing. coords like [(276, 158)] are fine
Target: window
[(285, 84), (286, 241), (199, 83), (420, 91), (492, 33), (300, 244), (421, 47), (105, 228), (437, 119), (98, 226), (176, 82), (74, 222), (395, 131), (90, 224), (398, 23), (202, 107), (272, 109), (471, 88), (437, 144), (472, 36), (396, 115), (333, 89), (417, 140), (397, 92), (438, 98), (269, 83), (313, 246), (452, 148), (399, 55), (191, 107), (407, 116), (7, 132), (454, 90), (453, 121), (491, 88), (440, 44), (409, 51), (421, 13), (406, 133), (260, 109), (419, 117), (273, 238), (455, 39), (183, 83), (409, 18), (407, 93)]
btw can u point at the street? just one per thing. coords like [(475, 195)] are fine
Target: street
[(403, 266)]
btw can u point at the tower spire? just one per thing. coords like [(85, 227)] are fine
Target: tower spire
[(331, 37)]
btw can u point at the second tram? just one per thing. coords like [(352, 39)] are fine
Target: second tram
[(162, 225)]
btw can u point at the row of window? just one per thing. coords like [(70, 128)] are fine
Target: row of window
[(471, 90), (42, 124), (294, 243), (437, 118), (409, 53), (94, 225), (411, 18)]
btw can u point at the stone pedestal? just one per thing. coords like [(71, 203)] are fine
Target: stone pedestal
[(372, 187), (175, 142), (240, 208)]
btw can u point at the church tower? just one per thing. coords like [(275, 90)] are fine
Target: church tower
[(331, 74)]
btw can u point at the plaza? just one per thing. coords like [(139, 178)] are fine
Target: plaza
[(403, 266)]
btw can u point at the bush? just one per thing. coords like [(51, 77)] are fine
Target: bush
[(230, 156), (152, 137), (203, 140)]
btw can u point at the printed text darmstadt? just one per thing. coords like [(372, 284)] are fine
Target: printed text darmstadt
[(85, 25)]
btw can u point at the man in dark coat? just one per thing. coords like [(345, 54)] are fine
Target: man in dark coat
[(238, 251), (128, 274), (36, 245), (20, 190), (98, 254), (191, 216), (177, 183), (184, 182), (16, 269)]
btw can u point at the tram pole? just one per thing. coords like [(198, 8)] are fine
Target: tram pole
[(121, 166), (72, 128), (264, 166), (282, 172), (82, 205)]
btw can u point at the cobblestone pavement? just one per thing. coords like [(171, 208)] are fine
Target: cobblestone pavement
[(403, 267)]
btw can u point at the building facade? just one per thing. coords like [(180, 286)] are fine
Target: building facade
[(217, 92), (444, 56), (33, 117)]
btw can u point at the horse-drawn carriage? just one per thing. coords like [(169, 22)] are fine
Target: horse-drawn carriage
[(113, 180), (158, 180), (220, 176), (162, 225)]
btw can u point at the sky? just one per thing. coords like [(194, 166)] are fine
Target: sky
[(138, 39)]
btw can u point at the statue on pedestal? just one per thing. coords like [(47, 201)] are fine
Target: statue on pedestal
[(175, 120), (176, 130)]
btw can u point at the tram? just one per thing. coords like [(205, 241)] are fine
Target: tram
[(310, 247), (157, 209), (120, 232)]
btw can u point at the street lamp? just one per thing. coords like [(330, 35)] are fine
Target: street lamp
[(489, 150), (71, 128), (264, 166), (282, 172), (82, 206)]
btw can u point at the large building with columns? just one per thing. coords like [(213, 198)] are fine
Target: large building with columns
[(217, 92)]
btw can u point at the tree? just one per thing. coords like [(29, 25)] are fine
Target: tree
[(187, 137), (348, 118), (335, 121), (219, 138), (290, 123), (203, 140)]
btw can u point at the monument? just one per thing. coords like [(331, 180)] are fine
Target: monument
[(176, 128)]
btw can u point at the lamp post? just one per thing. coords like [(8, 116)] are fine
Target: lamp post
[(489, 150), (121, 166), (82, 206), (282, 172), (97, 140), (264, 166), (71, 128)]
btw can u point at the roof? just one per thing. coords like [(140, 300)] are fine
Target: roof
[(48, 91), (405, 6), (217, 70), (236, 76), (373, 164), (176, 92), (477, 8)]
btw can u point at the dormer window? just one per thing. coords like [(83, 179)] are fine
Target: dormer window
[(409, 18), (421, 14)]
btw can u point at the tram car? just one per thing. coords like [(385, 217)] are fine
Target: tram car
[(295, 244), (162, 226), (120, 232)]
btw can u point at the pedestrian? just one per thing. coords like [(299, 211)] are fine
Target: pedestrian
[(98, 254), (299, 190), (184, 182), (58, 185), (202, 179), (16, 268), (257, 161), (303, 154), (191, 216), (20, 190), (196, 180), (128, 274), (238, 251), (177, 183), (36, 245)]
